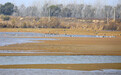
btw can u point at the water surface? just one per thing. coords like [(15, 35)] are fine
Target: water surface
[(30, 34), (57, 72), (9, 60), (8, 40)]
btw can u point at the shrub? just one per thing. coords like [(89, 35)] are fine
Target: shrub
[(52, 23), (3, 25), (111, 26), (24, 25), (5, 18)]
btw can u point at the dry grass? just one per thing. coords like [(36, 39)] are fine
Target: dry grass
[(87, 67), (54, 22)]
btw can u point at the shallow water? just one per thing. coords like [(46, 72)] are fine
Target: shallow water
[(7, 38), (56, 72), (8, 41), (9, 60), (30, 34), (30, 51)]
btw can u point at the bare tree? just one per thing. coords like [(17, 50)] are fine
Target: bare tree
[(79, 10)]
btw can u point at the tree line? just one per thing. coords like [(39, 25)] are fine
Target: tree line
[(60, 10)]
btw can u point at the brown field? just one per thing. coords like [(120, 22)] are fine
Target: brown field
[(86, 67)]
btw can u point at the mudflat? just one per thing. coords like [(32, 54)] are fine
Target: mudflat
[(69, 46), (85, 67), (65, 46)]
